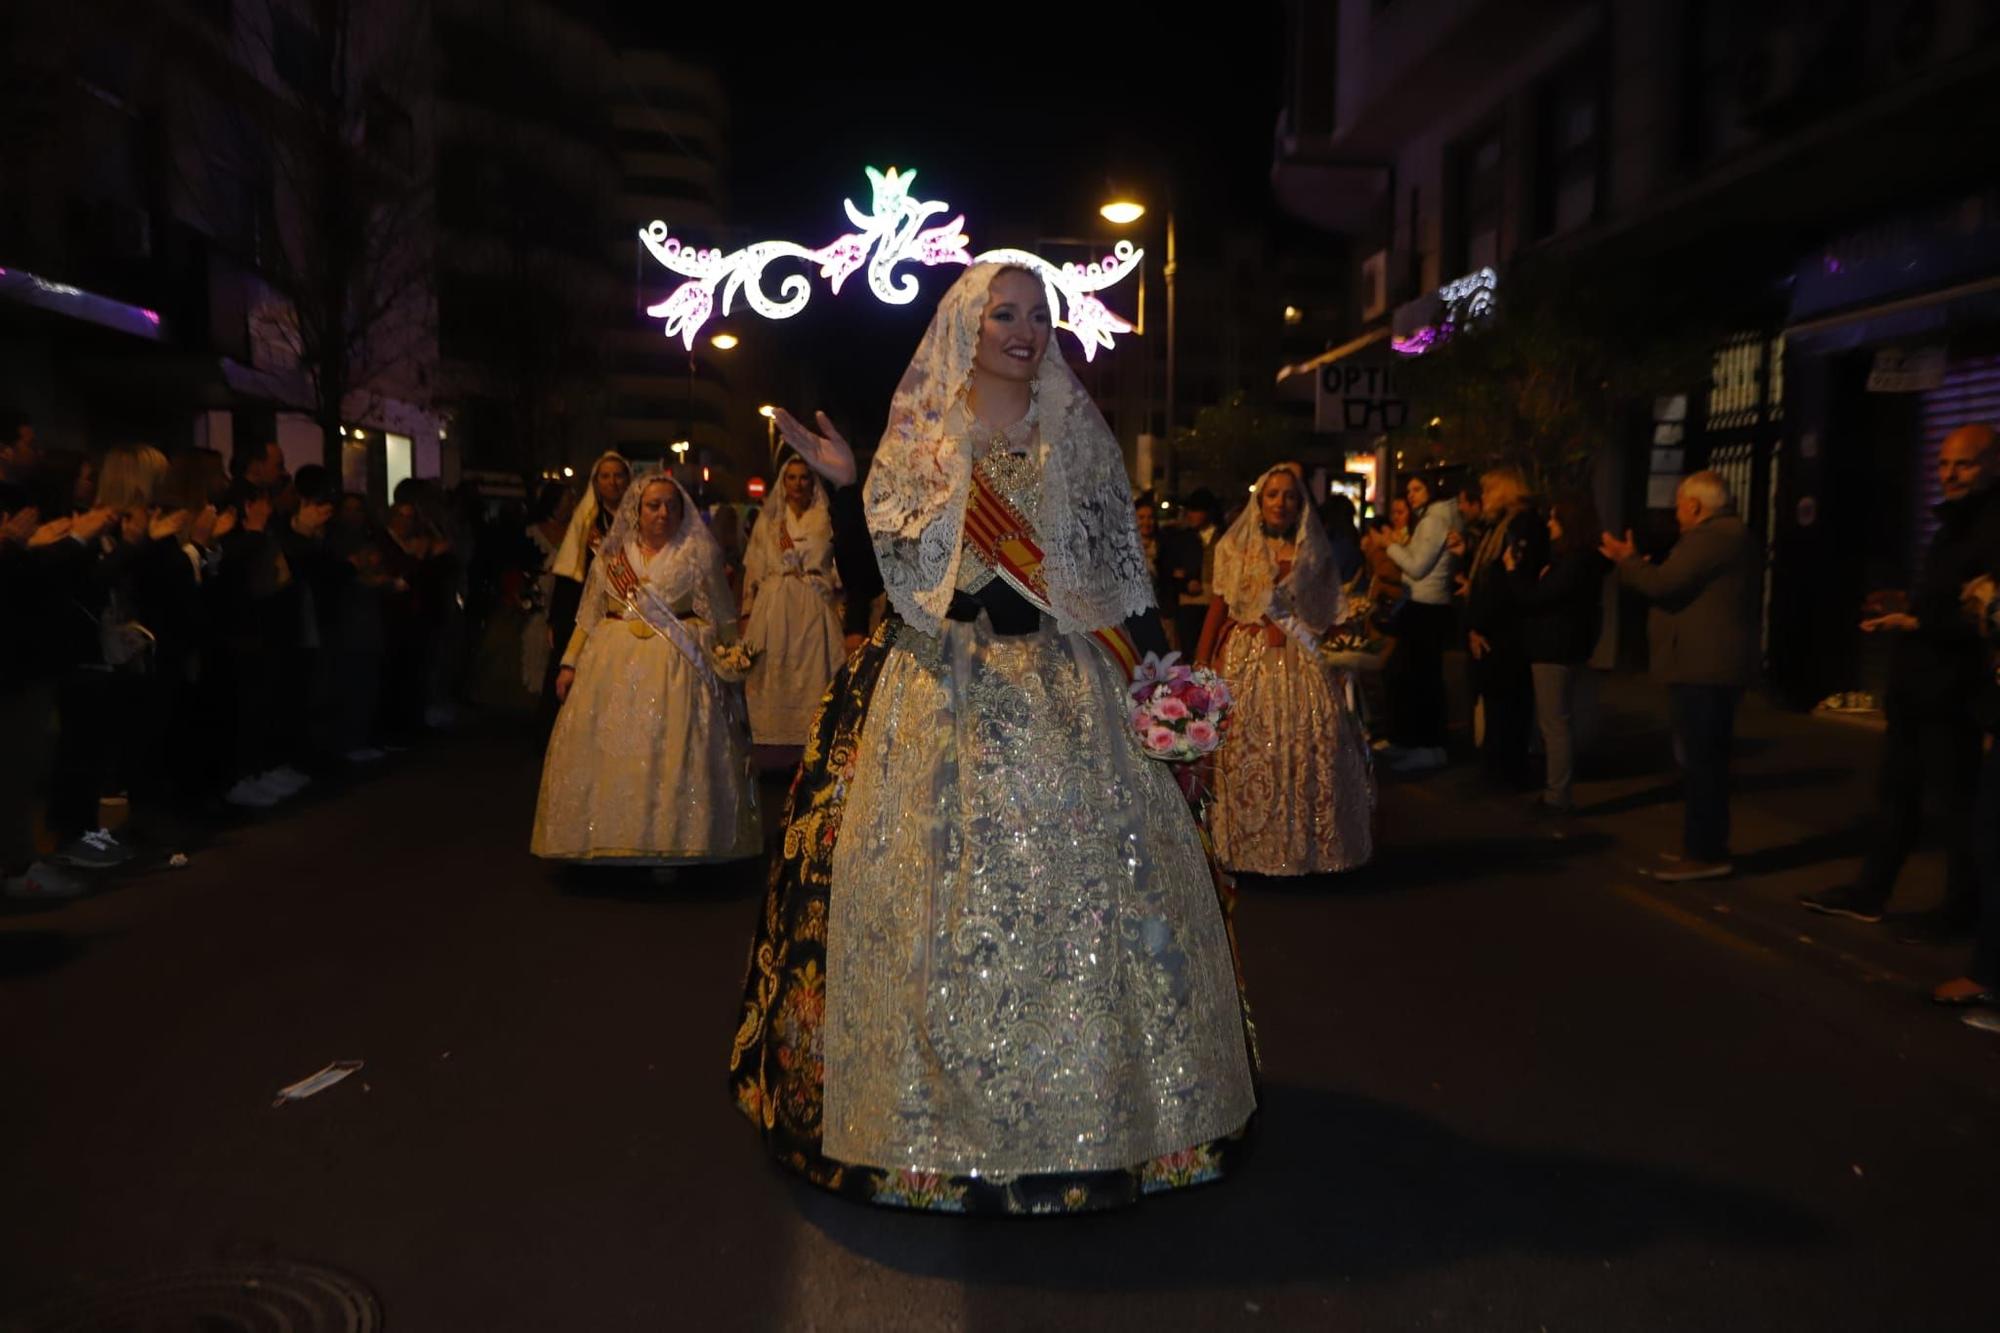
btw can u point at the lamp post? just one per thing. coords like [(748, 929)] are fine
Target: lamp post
[(1123, 213), (770, 415), (722, 340)]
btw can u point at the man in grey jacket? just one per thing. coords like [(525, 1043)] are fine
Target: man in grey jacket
[(1702, 632)]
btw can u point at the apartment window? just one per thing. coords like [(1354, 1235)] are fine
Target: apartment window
[(1571, 140), (1480, 181)]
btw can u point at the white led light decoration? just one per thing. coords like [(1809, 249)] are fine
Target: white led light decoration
[(887, 237)]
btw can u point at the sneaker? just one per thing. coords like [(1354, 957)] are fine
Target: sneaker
[(252, 794), (1422, 759), (1844, 901), (1986, 1020), (1962, 991), (287, 780), (45, 883), (1688, 870), (97, 850)]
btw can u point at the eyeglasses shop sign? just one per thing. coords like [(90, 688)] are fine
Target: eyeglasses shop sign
[(1906, 370), (1362, 397)]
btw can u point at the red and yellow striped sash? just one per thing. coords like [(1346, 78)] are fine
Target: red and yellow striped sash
[(1005, 540)]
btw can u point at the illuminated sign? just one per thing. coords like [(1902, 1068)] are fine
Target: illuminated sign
[(891, 234)]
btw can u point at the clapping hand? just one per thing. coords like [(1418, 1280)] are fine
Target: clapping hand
[(169, 525), (21, 525), (89, 526), (1615, 550), (1977, 597), (52, 532), (825, 451), (1511, 559)]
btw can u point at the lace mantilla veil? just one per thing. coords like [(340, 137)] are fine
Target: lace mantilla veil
[(762, 555), (689, 565), (569, 561), (916, 490), (1246, 570)]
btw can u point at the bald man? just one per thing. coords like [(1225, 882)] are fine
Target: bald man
[(1937, 672), (1702, 637)]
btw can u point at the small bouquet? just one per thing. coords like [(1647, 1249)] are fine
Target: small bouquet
[(732, 661), (1354, 644), (1179, 712)]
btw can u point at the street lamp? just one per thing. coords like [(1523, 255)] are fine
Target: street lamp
[(769, 412), (1123, 213), (680, 448), (724, 342)]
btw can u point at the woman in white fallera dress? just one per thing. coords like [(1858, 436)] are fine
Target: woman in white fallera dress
[(1294, 794), (647, 764), (993, 974), (789, 597)]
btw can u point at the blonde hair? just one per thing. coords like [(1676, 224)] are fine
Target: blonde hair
[(130, 477)]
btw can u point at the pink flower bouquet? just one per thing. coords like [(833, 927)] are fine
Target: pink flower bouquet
[(1179, 713)]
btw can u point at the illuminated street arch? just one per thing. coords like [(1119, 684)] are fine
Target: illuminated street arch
[(891, 234)]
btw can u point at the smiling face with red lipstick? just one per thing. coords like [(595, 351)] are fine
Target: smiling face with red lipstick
[(1014, 330)]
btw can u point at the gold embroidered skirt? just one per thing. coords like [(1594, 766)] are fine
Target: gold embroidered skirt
[(993, 973), (645, 766), (1294, 786), (795, 633)]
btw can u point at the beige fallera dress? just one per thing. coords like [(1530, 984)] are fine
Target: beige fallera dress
[(1026, 970), (1294, 781), (646, 765)]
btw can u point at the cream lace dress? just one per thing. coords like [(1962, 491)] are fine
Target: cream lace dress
[(1027, 970)]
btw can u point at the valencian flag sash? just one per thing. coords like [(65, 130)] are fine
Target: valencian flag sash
[(631, 590), (1006, 542)]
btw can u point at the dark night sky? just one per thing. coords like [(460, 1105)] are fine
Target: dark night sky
[(1021, 130)]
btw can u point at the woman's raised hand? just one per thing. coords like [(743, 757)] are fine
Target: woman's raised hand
[(825, 451)]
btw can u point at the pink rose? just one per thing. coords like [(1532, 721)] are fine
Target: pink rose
[(1160, 740), (1202, 735), (1198, 700), (1142, 720), (1170, 709)]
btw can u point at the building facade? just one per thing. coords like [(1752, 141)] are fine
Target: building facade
[(166, 264), (1803, 175)]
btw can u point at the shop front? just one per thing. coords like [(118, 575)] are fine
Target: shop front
[(1894, 342)]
